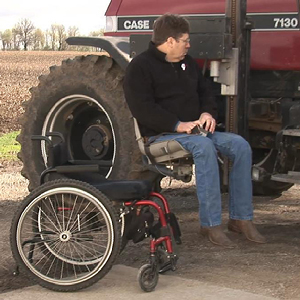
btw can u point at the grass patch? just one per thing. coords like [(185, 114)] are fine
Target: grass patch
[(9, 147)]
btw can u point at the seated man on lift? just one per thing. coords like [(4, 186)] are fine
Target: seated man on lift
[(167, 93)]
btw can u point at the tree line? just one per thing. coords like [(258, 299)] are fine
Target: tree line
[(25, 36)]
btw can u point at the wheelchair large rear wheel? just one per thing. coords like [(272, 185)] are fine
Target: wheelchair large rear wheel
[(65, 235)]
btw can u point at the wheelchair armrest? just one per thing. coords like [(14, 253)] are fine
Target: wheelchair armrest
[(77, 169), (160, 152), (69, 169), (57, 153), (100, 163)]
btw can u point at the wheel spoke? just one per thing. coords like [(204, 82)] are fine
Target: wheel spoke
[(87, 249), (73, 207), (58, 229), (92, 217), (54, 212), (63, 211), (82, 258), (76, 214), (40, 260)]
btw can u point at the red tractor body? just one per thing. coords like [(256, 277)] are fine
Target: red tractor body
[(275, 37)]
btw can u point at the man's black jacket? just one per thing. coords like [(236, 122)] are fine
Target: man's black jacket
[(160, 94)]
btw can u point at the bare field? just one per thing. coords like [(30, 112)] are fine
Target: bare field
[(272, 269), (19, 71)]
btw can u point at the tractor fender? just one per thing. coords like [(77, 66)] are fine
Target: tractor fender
[(117, 47)]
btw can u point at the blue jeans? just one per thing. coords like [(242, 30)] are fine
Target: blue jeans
[(204, 152)]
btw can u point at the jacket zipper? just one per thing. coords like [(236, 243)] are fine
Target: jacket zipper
[(175, 70)]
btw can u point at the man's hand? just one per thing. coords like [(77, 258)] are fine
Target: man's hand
[(187, 126), (209, 121)]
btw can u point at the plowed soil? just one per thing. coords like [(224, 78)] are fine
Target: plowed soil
[(272, 269), (18, 73)]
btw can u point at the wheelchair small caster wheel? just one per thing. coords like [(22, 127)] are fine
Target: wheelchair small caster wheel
[(148, 278)]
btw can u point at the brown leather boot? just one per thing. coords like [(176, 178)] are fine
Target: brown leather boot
[(248, 229), (216, 235)]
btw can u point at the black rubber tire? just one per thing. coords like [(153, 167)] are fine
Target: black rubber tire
[(270, 188), (97, 268), (98, 80), (147, 278), (266, 159)]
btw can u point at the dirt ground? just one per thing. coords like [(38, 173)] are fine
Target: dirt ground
[(272, 269)]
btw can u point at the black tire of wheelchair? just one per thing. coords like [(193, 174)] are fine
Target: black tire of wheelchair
[(124, 243), (116, 227), (99, 77), (144, 272)]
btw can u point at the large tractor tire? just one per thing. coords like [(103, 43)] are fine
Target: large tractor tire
[(83, 99)]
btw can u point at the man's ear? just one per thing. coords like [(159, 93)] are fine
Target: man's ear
[(170, 41)]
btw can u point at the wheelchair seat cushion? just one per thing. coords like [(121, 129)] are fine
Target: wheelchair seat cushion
[(124, 190)]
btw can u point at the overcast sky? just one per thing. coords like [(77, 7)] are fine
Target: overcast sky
[(87, 16)]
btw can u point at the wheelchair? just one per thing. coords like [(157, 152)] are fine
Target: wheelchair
[(67, 233)]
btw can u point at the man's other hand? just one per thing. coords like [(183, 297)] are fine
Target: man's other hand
[(187, 126), (209, 122)]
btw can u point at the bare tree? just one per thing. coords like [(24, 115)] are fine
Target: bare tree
[(47, 40), (6, 38), (53, 36), (38, 39), (61, 35), (97, 33), (16, 39), (73, 31), (25, 29)]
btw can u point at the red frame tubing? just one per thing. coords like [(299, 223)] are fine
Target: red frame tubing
[(166, 239), (163, 200)]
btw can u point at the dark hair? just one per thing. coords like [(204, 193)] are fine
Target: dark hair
[(169, 25)]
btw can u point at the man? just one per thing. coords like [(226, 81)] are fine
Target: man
[(166, 92)]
